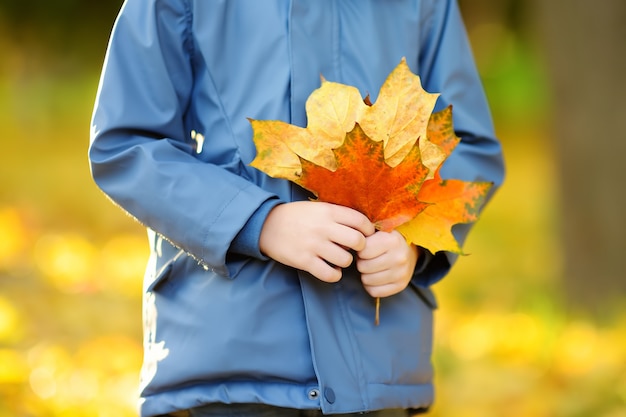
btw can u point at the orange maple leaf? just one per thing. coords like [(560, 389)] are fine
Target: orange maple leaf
[(365, 182)]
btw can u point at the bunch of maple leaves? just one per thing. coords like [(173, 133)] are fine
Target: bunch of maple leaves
[(381, 159)]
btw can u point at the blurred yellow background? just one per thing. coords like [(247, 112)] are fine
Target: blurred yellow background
[(508, 342)]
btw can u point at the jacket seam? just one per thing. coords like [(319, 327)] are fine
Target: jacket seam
[(426, 28), (218, 96), (355, 352), (188, 40), (290, 57), (337, 42), (216, 219)]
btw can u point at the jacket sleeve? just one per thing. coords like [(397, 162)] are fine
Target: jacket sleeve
[(447, 66), (140, 152)]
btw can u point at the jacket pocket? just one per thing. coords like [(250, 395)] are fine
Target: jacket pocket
[(162, 274), (182, 264)]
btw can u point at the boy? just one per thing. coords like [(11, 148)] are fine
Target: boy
[(257, 300)]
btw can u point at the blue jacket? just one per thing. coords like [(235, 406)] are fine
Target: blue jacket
[(222, 322)]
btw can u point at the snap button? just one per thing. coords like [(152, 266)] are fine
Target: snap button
[(314, 394), (329, 394)]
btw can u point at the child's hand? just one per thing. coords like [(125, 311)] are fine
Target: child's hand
[(315, 237), (386, 263)]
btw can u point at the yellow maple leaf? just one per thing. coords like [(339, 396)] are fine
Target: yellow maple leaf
[(402, 119), (398, 119)]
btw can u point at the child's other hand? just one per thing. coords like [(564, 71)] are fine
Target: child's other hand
[(315, 237), (386, 263)]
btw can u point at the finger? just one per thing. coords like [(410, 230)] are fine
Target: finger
[(376, 278), (384, 290), (371, 266), (335, 255), (371, 250), (348, 238), (376, 245), (353, 219), (324, 271)]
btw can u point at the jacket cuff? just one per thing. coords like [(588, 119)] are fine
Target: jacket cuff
[(247, 240), (423, 261), (431, 268)]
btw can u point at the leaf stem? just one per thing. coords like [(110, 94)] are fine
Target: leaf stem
[(377, 315)]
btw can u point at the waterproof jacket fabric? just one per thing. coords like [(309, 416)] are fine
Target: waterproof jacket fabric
[(171, 144)]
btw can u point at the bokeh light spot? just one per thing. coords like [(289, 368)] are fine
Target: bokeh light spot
[(123, 261), (9, 320), (66, 261), (12, 236)]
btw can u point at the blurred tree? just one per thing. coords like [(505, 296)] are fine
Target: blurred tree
[(510, 13), (583, 44), (60, 29)]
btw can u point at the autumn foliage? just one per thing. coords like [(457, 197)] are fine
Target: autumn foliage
[(382, 159)]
